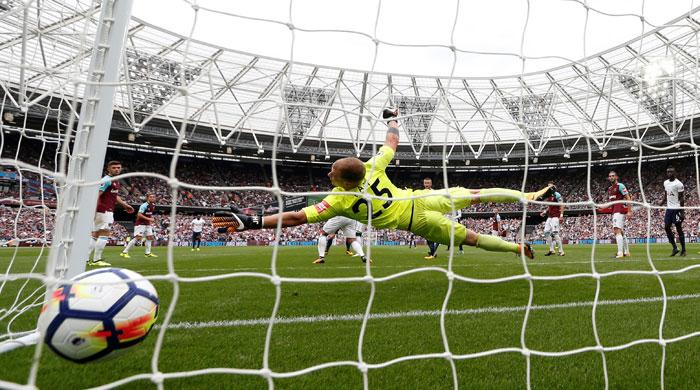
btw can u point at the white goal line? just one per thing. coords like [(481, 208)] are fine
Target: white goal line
[(408, 266), (419, 313)]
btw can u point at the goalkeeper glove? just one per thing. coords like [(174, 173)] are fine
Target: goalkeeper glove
[(389, 114), (235, 221)]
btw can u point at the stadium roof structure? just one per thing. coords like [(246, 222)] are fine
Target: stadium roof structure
[(643, 92)]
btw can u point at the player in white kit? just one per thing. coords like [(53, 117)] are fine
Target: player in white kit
[(197, 226), (456, 216), (674, 197), (352, 230)]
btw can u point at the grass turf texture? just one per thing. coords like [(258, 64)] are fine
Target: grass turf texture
[(296, 345)]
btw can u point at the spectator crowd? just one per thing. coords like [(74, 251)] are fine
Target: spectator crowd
[(210, 184)]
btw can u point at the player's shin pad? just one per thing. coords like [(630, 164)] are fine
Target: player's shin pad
[(229, 222)]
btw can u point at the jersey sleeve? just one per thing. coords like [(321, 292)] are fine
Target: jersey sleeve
[(143, 208), (105, 184), (680, 187), (381, 160), (623, 189), (324, 210)]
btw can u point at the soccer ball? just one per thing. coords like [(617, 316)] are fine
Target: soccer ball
[(96, 314)]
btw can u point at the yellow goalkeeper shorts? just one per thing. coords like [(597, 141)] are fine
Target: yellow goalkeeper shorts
[(428, 215)]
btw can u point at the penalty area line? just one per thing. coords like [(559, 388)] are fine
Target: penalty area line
[(418, 313)]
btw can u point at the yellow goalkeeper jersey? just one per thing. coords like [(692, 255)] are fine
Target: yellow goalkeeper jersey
[(386, 213)]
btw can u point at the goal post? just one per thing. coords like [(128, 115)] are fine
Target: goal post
[(78, 198), (77, 194)]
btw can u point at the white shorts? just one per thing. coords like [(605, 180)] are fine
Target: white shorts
[(551, 225), (618, 220), (495, 233), (143, 230), (348, 226), (103, 221)]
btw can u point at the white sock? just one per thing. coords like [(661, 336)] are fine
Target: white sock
[(148, 247), (322, 242), (620, 243), (626, 247), (100, 247), (93, 241), (550, 242), (557, 237), (357, 247), (129, 245)]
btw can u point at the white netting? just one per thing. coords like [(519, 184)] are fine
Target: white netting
[(293, 108), (35, 127)]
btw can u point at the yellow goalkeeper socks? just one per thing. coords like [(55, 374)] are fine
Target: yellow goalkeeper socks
[(499, 195), (495, 244)]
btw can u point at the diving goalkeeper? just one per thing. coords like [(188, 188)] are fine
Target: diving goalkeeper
[(424, 216)]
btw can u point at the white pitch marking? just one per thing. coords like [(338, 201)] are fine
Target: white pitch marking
[(417, 313), (377, 266)]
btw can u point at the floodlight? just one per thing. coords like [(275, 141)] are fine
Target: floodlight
[(419, 113), (155, 79), (535, 113), (8, 117), (303, 113), (658, 69), (6, 5), (654, 87)]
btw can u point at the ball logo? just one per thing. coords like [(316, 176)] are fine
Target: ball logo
[(78, 341)]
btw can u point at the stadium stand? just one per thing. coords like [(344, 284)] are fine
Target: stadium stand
[(570, 183)]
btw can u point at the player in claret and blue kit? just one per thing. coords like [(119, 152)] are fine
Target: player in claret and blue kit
[(674, 197), (424, 216), (143, 227), (107, 199), (555, 215), (618, 192), (496, 223)]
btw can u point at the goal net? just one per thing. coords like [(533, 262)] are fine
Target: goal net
[(203, 124)]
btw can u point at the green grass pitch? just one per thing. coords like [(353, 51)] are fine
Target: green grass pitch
[(322, 322)]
